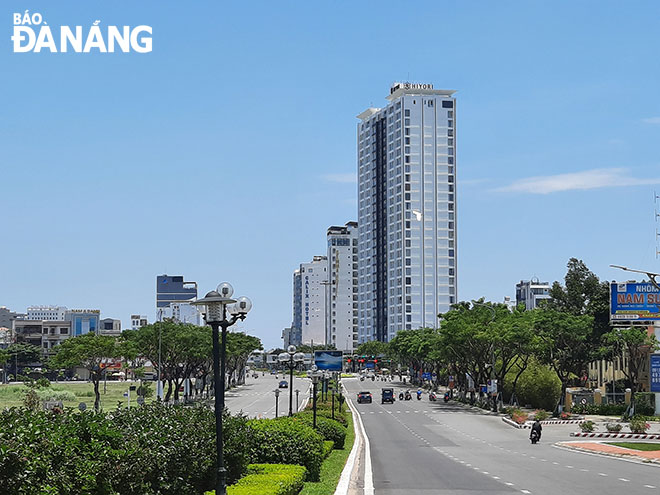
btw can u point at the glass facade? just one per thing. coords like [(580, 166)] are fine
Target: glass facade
[(406, 213)]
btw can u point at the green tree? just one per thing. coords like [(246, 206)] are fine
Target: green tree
[(633, 344), (564, 343), (373, 348), (239, 348), (583, 294), (87, 351)]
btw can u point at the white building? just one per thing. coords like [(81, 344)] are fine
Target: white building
[(182, 312), (531, 292), (406, 211), (342, 293), (314, 277), (138, 321), (55, 313)]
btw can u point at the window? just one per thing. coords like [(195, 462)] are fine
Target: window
[(407, 113), (450, 123), (450, 114), (447, 104)]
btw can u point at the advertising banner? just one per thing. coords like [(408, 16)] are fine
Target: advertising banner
[(634, 302), (328, 360), (655, 372)]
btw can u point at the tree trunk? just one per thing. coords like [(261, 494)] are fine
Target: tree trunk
[(169, 390), (97, 394)]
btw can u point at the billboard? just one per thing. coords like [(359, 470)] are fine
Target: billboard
[(655, 373), (634, 301), (328, 360)]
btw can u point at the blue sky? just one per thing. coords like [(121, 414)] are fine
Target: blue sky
[(227, 152)]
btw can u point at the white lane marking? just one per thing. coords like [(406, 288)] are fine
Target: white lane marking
[(525, 491), (555, 463), (508, 483), (649, 486), (569, 467), (496, 477), (368, 473), (602, 474), (584, 470), (623, 479)]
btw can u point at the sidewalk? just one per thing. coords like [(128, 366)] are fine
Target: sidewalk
[(614, 451)]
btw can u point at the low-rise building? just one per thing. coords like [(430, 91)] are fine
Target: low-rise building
[(531, 292), (110, 327)]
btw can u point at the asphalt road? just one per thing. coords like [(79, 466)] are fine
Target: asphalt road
[(431, 447), (257, 398)]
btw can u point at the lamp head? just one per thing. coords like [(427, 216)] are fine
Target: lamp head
[(291, 349), (225, 290)]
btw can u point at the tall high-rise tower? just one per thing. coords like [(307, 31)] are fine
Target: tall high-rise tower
[(342, 294), (406, 211)]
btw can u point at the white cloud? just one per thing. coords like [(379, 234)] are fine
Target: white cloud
[(350, 178), (589, 179), (651, 120)]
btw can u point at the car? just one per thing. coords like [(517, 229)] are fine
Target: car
[(273, 372), (283, 384), (387, 395), (364, 397)]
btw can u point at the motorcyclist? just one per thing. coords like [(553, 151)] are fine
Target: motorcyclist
[(536, 427), (419, 393), (401, 396)]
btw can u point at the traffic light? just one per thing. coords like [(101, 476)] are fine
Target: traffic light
[(348, 360), (375, 360)]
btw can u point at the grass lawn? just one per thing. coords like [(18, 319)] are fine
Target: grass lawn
[(12, 394), (332, 467), (637, 445)]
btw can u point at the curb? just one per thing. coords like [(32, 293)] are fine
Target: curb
[(617, 435), (511, 422), (624, 457), (562, 421)]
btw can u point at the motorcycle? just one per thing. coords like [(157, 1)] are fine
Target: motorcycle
[(408, 396), (446, 397), (432, 396), (401, 396), (534, 436), (419, 395), (361, 378)]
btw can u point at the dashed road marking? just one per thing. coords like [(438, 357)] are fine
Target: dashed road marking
[(602, 474), (649, 486), (623, 479)]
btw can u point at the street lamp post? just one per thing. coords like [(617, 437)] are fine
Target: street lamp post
[(297, 392), (315, 376), (291, 358), (215, 306), (277, 400)]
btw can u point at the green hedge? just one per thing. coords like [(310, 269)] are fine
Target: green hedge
[(602, 409), (328, 446), (151, 450), (285, 441), (269, 479), (329, 429)]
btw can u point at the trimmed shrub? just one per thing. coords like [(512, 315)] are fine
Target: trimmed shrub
[(329, 429), (644, 403), (541, 415), (587, 426), (613, 427), (638, 425), (269, 479), (602, 409), (286, 441), (149, 450), (328, 446)]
